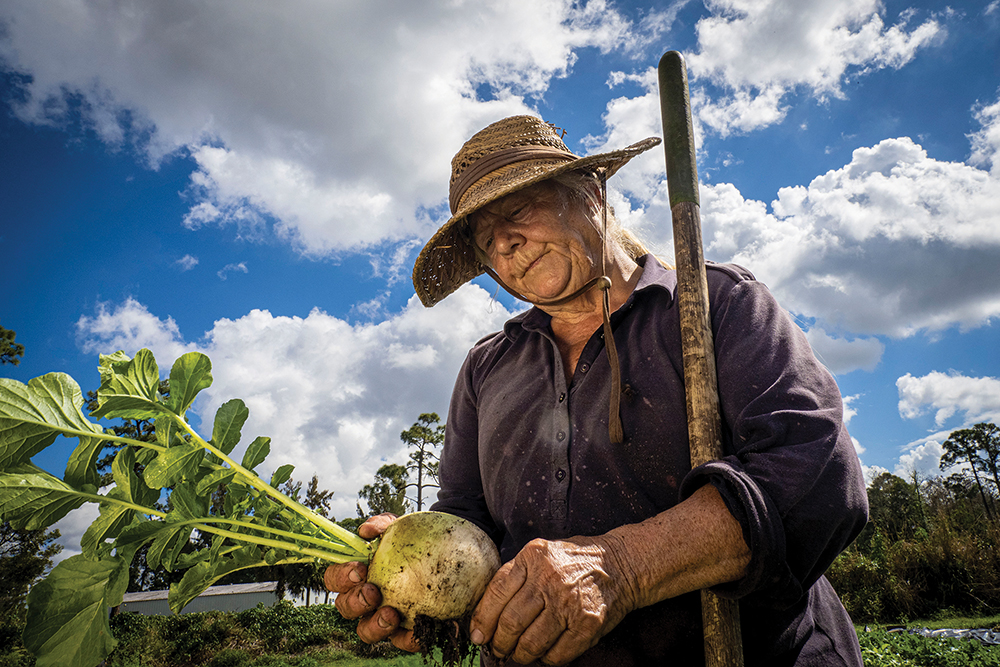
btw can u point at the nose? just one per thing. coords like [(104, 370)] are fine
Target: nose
[(507, 237)]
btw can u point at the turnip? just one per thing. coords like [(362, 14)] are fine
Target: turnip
[(433, 564), (428, 565)]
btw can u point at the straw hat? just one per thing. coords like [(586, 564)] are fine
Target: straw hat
[(506, 156)]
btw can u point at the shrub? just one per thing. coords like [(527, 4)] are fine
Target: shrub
[(881, 581), (242, 639)]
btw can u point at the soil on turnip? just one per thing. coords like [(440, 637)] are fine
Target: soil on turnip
[(451, 637)]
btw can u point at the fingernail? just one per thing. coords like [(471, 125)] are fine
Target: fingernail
[(354, 576), (477, 638), (383, 623)]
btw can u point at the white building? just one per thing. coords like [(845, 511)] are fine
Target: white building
[(235, 597)]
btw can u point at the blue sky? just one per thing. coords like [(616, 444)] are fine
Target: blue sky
[(255, 181)]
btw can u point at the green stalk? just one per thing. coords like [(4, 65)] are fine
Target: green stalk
[(341, 533), (332, 546), (277, 544)]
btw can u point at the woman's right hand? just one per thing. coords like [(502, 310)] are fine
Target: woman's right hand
[(356, 598)]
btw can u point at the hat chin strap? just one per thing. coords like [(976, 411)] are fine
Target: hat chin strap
[(603, 282)]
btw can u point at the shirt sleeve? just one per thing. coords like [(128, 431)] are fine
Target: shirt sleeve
[(461, 490), (790, 476)]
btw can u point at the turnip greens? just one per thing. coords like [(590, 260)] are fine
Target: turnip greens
[(256, 525)]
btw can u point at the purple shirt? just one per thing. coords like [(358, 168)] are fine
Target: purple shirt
[(527, 456)]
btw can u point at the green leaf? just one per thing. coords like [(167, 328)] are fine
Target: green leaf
[(228, 421), (256, 452), (32, 415), (129, 387), (207, 484), (108, 525), (179, 462), (282, 475), (167, 546), (81, 469), (123, 471), (136, 534), (67, 619), (31, 498), (191, 373), (187, 504), (204, 574)]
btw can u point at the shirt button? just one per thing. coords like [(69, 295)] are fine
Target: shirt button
[(583, 368), (562, 397), (560, 436), (560, 474)]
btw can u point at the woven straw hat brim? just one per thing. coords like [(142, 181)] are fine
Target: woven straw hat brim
[(448, 261)]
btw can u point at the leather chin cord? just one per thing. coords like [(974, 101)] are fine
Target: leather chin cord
[(602, 282)]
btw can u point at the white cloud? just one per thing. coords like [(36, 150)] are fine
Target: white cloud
[(71, 529), (841, 355), (332, 122), (986, 141), (334, 396), (850, 412), (924, 458), (120, 327), (187, 262), (890, 244), (224, 272), (759, 51), (947, 395), (871, 472)]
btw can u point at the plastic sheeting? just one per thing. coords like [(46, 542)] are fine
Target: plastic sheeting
[(989, 637)]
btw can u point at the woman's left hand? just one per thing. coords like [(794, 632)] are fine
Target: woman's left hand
[(555, 600)]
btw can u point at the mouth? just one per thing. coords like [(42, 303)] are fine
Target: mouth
[(530, 264)]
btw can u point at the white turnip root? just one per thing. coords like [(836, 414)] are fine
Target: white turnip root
[(433, 564)]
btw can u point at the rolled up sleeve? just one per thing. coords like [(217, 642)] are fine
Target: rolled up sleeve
[(790, 476)]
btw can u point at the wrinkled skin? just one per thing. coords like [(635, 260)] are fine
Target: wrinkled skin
[(557, 598)]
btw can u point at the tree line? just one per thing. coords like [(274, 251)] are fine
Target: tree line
[(932, 545)]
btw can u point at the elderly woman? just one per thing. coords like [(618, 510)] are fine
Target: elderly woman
[(567, 437)]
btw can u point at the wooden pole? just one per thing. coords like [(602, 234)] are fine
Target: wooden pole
[(720, 617)]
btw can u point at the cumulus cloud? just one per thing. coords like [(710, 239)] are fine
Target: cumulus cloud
[(759, 51), (986, 141), (892, 243), (841, 355), (334, 396), (120, 327), (975, 399), (923, 458), (328, 123), (72, 527)]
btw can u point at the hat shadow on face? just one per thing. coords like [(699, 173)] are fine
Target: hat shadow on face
[(501, 159)]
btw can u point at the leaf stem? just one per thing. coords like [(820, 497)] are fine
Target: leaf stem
[(341, 533), (296, 537), (276, 544)]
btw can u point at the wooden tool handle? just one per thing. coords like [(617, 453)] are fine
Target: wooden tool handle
[(720, 617)]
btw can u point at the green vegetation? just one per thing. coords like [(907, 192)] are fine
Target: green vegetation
[(254, 526), (930, 549), (880, 648)]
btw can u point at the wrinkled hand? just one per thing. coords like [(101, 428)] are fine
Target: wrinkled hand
[(356, 598), (555, 600)]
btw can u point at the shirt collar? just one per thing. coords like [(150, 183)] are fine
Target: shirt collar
[(654, 276)]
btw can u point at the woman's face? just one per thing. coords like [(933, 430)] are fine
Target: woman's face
[(540, 241)]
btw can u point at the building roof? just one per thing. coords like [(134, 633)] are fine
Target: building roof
[(232, 589)]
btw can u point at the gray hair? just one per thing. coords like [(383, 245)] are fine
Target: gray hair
[(583, 188)]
